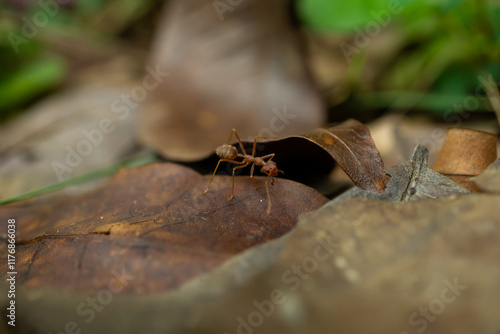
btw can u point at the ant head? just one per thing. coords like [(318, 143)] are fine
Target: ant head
[(270, 169)]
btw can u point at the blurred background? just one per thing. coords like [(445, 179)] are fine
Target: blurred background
[(85, 85)]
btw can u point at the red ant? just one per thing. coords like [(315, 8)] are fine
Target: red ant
[(228, 153)]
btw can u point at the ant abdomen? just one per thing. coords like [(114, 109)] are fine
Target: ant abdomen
[(227, 152)]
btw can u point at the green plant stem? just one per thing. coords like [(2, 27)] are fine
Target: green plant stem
[(100, 173)]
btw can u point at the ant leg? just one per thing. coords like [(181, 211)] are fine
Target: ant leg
[(255, 144), (239, 140), (268, 197), (251, 176), (215, 171), (270, 156), (234, 169), (212, 178)]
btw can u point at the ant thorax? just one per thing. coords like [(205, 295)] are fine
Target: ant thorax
[(258, 161)]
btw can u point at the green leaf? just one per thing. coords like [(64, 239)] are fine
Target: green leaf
[(494, 17), (438, 104), (35, 77), (338, 15), (90, 6), (462, 79)]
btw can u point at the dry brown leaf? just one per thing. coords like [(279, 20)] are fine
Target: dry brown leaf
[(388, 264), (352, 147), (152, 221), (245, 72), (466, 153), (358, 266), (309, 157)]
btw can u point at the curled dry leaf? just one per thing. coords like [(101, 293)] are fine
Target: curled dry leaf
[(150, 223), (466, 153), (352, 147), (241, 69), (312, 155)]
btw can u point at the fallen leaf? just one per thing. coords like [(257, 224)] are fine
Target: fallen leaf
[(151, 222), (352, 147), (386, 263), (309, 157), (466, 153), (240, 69), (42, 146), (382, 262)]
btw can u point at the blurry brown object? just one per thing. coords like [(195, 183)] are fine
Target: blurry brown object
[(466, 153), (242, 68), (489, 180)]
